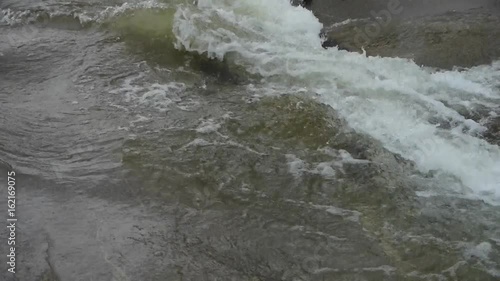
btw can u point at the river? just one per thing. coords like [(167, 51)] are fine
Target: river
[(217, 140)]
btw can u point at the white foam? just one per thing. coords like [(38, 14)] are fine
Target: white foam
[(16, 17), (391, 99), (296, 166), (160, 96), (342, 23), (12, 17), (208, 126), (327, 169), (481, 251), (139, 119), (199, 142)]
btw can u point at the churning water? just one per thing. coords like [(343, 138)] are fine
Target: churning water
[(411, 109), (217, 140)]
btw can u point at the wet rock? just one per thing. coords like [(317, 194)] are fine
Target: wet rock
[(331, 11), (303, 3), (432, 35), (446, 41), (332, 43)]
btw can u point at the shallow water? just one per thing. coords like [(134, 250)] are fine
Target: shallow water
[(219, 141)]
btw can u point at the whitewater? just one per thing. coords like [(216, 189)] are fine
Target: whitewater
[(411, 109)]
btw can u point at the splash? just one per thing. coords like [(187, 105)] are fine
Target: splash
[(407, 107)]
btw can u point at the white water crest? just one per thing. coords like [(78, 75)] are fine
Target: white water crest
[(391, 99)]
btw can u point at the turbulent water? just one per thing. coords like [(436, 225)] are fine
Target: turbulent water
[(392, 100), (217, 140)]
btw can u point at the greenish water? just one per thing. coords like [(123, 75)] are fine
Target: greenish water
[(142, 159)]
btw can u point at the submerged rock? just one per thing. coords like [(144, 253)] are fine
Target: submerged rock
[(450, 39), (446, 41), (303, 3), (444, 35)]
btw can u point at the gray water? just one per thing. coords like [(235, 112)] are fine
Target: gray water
[(137, 160)]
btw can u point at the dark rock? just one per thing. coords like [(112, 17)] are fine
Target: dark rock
[(306, 4), (331, 43)]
